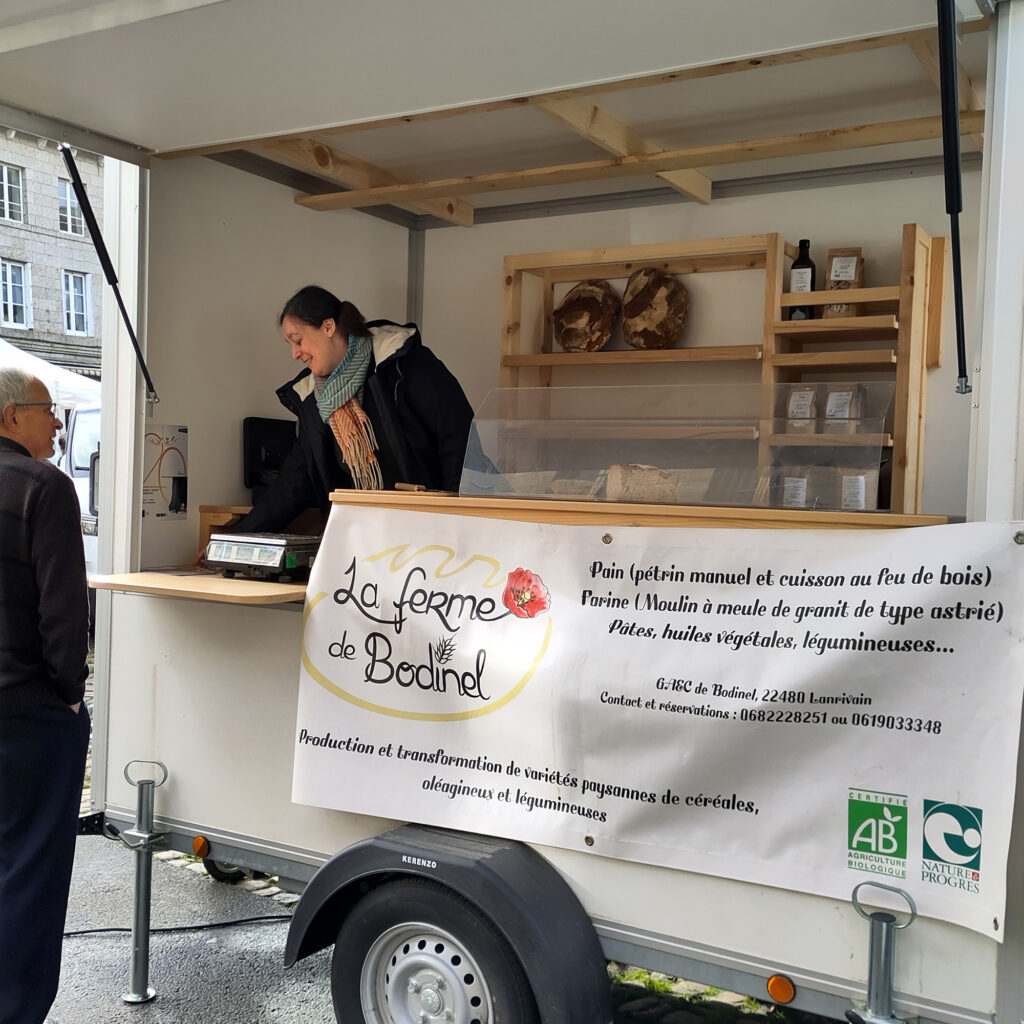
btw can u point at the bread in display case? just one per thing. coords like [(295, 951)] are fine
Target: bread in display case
[(686, 445)]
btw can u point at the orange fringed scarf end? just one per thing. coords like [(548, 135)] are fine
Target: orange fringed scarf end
[(354, 433)]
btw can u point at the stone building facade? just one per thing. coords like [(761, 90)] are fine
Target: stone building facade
[(51, 281)]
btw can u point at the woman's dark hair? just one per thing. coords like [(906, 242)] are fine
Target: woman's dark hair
[(313, 305)]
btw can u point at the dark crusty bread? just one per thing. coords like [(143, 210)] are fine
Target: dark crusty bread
[(653, 309), (583, 320)]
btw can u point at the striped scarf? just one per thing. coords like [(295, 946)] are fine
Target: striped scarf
[(338, 401)]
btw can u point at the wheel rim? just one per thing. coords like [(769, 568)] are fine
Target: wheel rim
[(417, 973)]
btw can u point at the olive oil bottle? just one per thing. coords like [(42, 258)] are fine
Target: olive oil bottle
[(801, 279)]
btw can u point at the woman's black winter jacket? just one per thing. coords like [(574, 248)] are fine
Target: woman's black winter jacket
[(421, 419)]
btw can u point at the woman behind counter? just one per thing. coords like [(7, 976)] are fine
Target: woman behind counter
[(375, 407)]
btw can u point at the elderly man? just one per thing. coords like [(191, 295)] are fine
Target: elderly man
[(44, 727)]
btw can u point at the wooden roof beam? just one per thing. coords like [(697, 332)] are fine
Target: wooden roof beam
[(307, 154), (829, 141), (926, 49), (615, 136)]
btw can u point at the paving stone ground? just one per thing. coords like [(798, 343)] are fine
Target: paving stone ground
[(684, 1002)]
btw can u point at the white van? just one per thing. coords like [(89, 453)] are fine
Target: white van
[(83, 441)]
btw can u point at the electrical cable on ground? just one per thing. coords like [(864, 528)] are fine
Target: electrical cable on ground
[(112, 833), (186, 927)]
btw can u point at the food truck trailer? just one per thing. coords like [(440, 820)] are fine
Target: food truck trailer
[(629, 694)]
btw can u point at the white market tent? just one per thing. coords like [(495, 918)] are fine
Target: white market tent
[(67, 388)]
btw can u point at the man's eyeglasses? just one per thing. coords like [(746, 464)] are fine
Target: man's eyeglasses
[(52, 406)]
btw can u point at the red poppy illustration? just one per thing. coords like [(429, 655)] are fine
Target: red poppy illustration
[(525, 594)]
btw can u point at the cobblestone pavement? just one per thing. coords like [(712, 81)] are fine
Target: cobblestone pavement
[(687, 1003)]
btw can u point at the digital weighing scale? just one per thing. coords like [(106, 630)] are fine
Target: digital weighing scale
[(286, 557)]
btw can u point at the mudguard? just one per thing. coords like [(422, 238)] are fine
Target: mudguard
[(527, 900)]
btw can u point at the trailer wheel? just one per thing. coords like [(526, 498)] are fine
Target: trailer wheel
[(413, 951), (221, 871)]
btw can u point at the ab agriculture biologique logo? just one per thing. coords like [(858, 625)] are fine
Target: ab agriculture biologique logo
[(877, 839), (950, 838)]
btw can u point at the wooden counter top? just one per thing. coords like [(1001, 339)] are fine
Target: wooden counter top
[(195, 585), (606, 513), (201, 586)]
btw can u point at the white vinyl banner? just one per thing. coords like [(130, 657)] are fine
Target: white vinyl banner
[(805, 709)]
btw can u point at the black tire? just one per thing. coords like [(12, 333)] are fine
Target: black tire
[(222, 872), (412, 948)]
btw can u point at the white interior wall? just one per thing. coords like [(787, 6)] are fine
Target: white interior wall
[(227, 250), (463, 289)]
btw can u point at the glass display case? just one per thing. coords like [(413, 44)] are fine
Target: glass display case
[(820, 445)]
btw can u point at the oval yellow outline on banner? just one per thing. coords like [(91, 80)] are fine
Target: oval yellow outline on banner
[(420, 716), (494, 578)]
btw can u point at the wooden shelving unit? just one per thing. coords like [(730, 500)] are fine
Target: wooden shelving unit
[(900, 332), (898, 337)]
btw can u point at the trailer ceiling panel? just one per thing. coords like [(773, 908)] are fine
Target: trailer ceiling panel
[(409, 98), (28, 23), (245, 69)]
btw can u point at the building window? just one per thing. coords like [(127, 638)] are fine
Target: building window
[(16, 292), (76, 303), (69, 212), (12, 199)]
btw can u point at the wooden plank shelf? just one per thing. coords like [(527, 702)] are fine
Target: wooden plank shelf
[(692, 265), (584, 431), (702, 354), (198, 585), (829, 440), (864, 359), (844, 329), (883, 293), (591, 261)]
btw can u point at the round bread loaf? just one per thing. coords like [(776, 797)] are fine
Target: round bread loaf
[(583, 319), (653, 309)]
